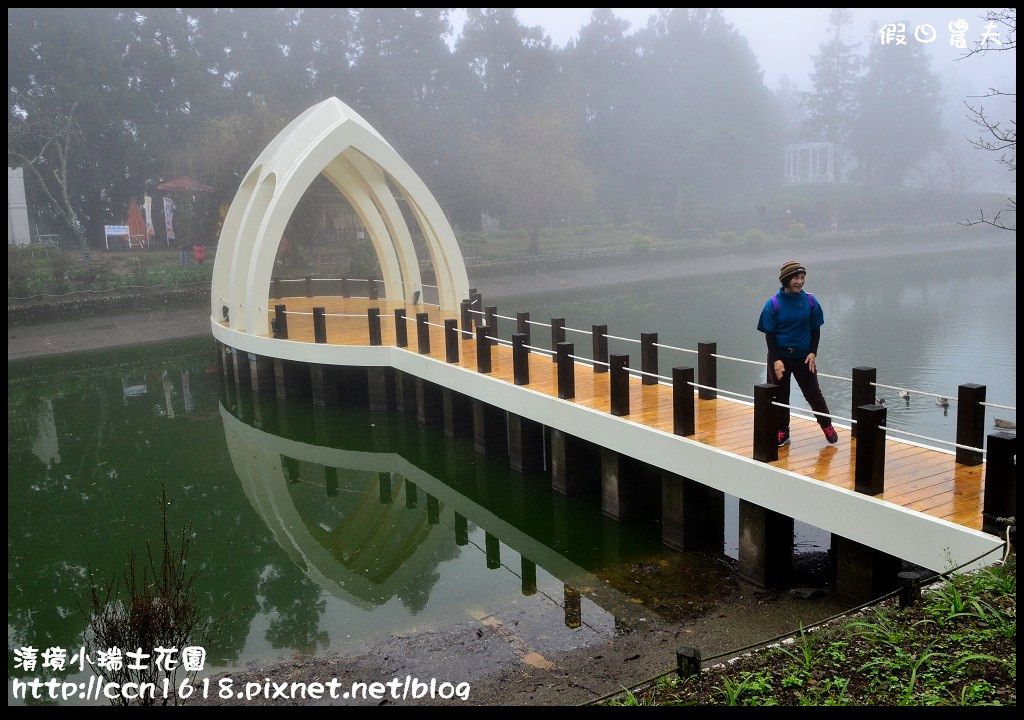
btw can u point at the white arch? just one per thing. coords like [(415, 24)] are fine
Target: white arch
[(332, 139)]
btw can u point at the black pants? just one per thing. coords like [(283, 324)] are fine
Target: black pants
[(808, 383)]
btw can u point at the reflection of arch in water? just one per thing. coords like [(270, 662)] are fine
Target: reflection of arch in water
[(252, 448), (380, 548)]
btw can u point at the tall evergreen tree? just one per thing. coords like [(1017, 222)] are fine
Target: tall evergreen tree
[(831, 102)]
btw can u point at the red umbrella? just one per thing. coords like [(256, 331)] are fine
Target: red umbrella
[(185, 183)]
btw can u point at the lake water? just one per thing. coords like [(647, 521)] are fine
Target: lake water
[(325, 529)]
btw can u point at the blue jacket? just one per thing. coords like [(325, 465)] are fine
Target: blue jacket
[(793, 323)]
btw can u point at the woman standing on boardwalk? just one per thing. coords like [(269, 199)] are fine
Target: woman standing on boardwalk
[(791, 321)]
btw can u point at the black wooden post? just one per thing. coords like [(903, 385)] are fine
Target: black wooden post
[(707, 369), (491, 321), (683, 416), (451, 341), (864, 379), (618, 384), (401, 330), (345, 290), (520, 360), (309, 286), (687, 662), (970, 423), (483, 349), (523, 326), (476, 307), (423, 333), (910, 589), (373, 292), (373, 315), (557, 335), (280, 323), (1000, 482), (869, 470), (766, 423), (649, 358), (319, 325), (600, 335), (566, 371), (467, 319)]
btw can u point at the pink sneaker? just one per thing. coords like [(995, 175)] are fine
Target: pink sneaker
[(831, 435)]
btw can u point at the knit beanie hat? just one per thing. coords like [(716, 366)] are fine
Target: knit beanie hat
[(790, 270)]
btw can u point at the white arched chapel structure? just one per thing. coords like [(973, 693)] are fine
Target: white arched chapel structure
[(332, 139)]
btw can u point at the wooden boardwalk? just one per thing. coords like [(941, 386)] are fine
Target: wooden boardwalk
[(916, 478)]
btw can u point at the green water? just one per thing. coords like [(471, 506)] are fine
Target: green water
[(313, 529)]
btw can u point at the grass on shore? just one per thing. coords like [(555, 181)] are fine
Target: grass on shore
[(956, 647)]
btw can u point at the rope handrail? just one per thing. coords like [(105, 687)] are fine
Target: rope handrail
[(672, 347), (538, 322), (814, 412), (719, 390), (925, 437), (427, 322), (616, 337), (726, 357), (633, 371), (948, 398), (997, 405), (581, 332), (835, 377), (504, 317), (543, 350)]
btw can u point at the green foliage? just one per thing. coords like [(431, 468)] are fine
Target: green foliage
[(726, 237), (642, 244), (754, 238), (797, 231)]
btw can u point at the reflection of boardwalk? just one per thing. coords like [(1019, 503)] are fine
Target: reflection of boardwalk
[(930, 504), (383, 542)]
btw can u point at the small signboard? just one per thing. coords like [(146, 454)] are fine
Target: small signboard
[(110, 231)]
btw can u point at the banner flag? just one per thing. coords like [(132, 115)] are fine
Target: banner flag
[(148, 207), (168, 216)]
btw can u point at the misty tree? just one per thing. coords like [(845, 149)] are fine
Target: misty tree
[(832, 101), (532, 168), (897, 120), (997, 135)]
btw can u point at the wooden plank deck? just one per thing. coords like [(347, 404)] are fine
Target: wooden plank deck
[(921, 479)]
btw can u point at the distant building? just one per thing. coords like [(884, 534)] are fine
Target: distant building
[(811, 162), (18, 232)]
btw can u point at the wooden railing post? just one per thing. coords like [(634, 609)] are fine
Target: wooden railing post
[(1000, 482), (869, 469), (476, 306), (401, 330), (970, 423), (520, 359), (649, 358), (319, 325), (766, 423), (864, 379), (280, 323), (451, 341), (373, 315), (423, 333), (483, 349), (557, 335), (707, 370), (600, 335), (491, 321), (618, 384), (683, 417), (523, 327), (467, 318), (566, 371)]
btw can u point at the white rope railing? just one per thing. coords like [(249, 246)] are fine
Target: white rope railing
[(997, 405), (543, 350), (741, 360), (616, 337), (814, 412), (926, 437), (724, 392), (634, 371), (672, 347), (947, 398)]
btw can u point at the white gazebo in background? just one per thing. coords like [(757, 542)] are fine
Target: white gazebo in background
[(812, 162), (332, 139)]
